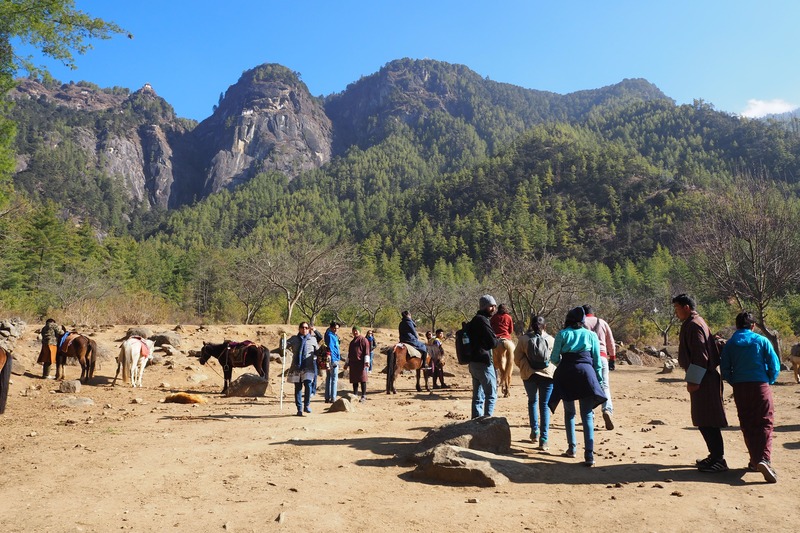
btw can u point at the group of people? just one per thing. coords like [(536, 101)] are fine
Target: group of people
[(312, 352), (573, 366)]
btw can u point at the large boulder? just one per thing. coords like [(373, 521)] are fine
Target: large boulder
[(138, 331), (491, 434), (248, 386), (453, 464), (167, 337)]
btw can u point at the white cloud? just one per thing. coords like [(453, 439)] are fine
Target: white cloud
[(760, 108)]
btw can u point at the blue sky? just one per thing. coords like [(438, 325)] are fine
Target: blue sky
[(738, 55)]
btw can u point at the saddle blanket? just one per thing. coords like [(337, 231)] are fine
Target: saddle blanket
[(410, 351), (67, 339)]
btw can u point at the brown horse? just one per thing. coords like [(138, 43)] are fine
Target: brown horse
[(5, 376), (399, 360), (82, 348)]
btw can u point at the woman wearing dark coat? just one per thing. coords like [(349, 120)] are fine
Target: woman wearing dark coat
[(578, 376)]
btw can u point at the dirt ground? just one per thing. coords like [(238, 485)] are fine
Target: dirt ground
[(131, 462)]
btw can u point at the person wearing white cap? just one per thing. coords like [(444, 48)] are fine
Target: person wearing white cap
[(481, 367)]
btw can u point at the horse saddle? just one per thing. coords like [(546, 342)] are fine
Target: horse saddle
[(237, 352), (409, 350), (67, 339), (144, 351)]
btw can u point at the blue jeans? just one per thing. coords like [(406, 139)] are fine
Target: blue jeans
[(302, 400), (539, 390), (608, 405), (331, 383), (587, 420), (484, 389)]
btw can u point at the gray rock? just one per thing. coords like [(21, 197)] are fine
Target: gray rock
[(248, 386), (454, 464), (72, 386), (138, 331), (634, 359), (491, 434), (170, 349), (342, 405), (196, 378), (74, 401), (18, 367), (166, 337)]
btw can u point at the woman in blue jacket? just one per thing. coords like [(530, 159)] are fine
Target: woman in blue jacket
[(750, 365)]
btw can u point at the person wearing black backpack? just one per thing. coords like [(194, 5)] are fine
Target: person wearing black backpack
[(532, 357), (481, 367)]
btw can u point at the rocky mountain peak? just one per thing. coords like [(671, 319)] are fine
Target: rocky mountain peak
[(267, 120)]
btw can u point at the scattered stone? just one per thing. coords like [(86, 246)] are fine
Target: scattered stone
[(455, 416), (33, 434), (74, 401), (342, 405), (72, 386), (657, 423), (677, 493), (196, 378), (472, 500), (164, 385), (658, 486), (281, 518), (138, 401), (248, 386)]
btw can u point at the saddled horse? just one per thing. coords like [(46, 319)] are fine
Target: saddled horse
[(503, 358), (5, 377), (134, 354), (236, 354), (398, 360), (84, 349)]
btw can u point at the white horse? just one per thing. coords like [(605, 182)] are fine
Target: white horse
[(133, 356)]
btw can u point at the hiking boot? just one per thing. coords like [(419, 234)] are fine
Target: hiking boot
[(588, 459), (767, 471), (609, 422), (543, 447), (307, 409), (299, 413), (363, 399), (569, 453), (715, 467)]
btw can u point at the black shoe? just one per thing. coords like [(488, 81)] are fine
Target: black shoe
[(704, 462), (768, 472), (715, 467)]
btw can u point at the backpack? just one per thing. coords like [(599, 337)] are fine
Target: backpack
[(464, 349), (538, 352)]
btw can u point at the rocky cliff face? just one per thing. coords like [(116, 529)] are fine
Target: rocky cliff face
[(266, 121)]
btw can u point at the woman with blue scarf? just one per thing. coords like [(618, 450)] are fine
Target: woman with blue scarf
[(304, 347)]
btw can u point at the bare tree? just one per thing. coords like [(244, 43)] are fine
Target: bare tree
[(250, 286), (369, 294), (75, 287), (331, 291), (531, 283), (431, 298), (745, 246), (301, 266)]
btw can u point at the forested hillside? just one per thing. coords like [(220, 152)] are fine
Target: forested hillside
[(442, 185)]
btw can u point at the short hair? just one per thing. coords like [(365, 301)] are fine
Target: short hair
[(334, 324), (502, 309), (588, 309), (745, 320), (684, 299), (440, 330), (429, 333), (300, 325), (50, 321), (405, 314)]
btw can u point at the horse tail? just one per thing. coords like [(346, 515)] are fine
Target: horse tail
[(92, 357), (127, 360)]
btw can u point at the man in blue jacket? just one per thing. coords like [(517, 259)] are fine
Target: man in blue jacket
[(750, 365), (481, 367), (334, 356)]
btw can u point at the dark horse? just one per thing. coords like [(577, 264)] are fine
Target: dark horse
[(398, 360), (85, 350), (5, 376), (236, 354)]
